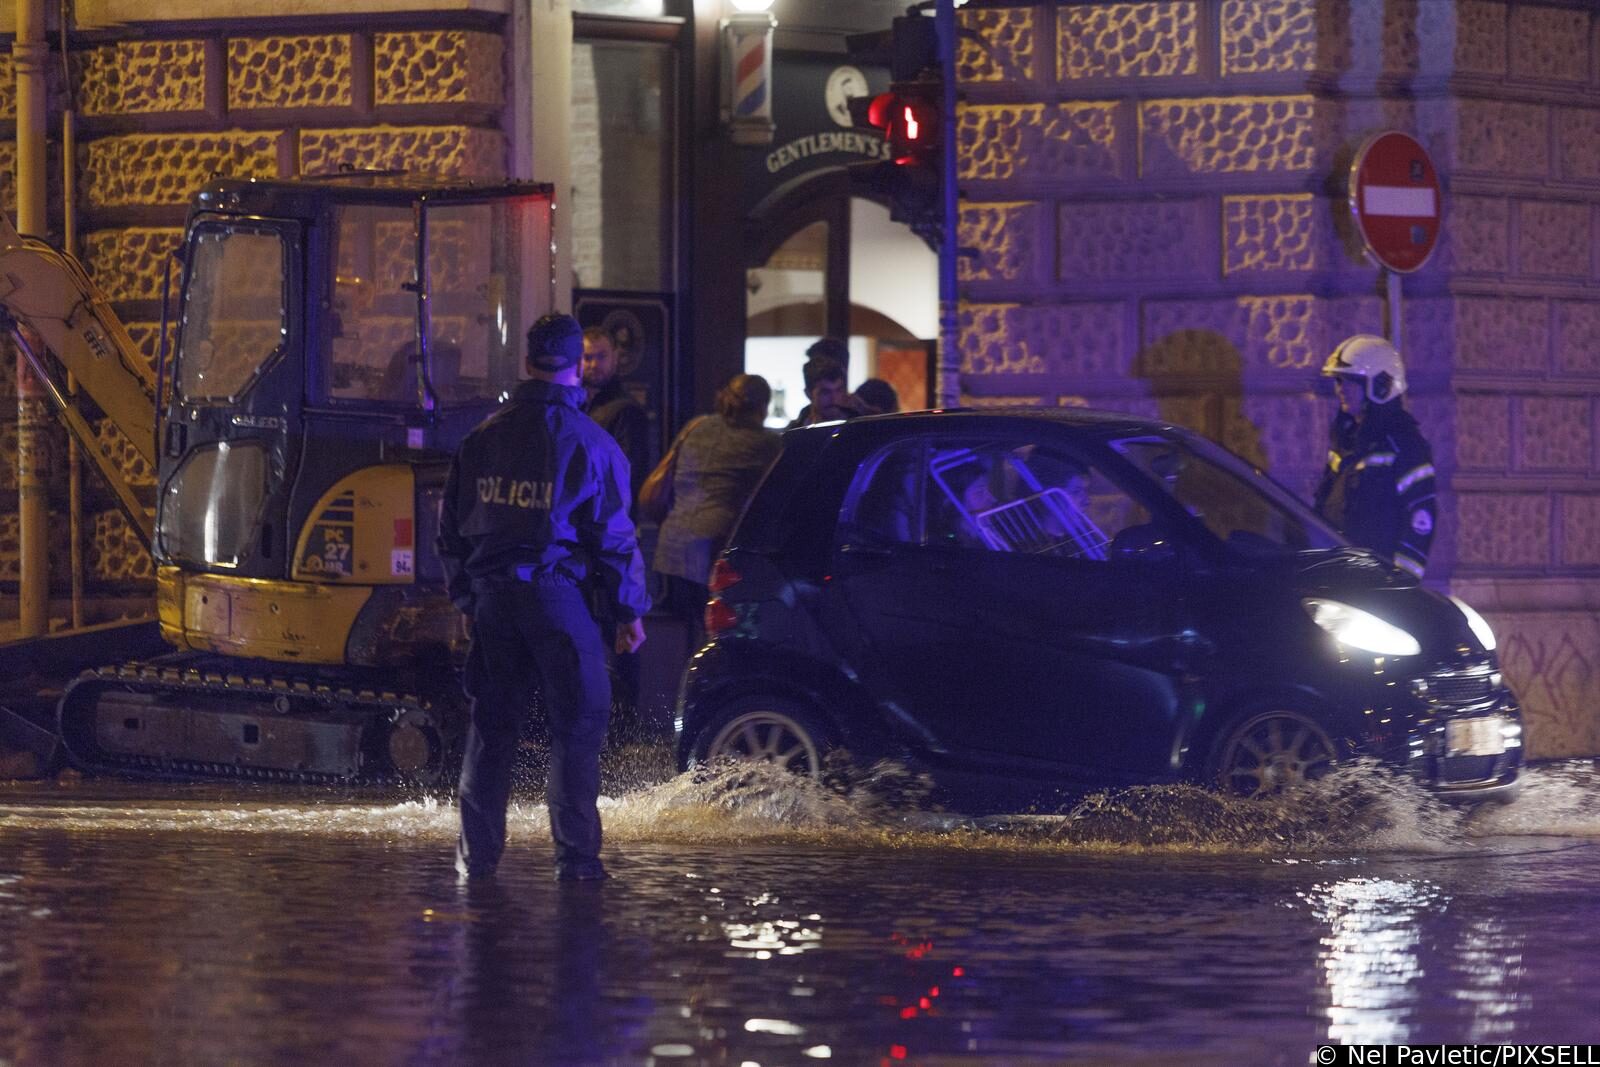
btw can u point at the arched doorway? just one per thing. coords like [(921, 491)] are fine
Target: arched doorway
[(823, 262)]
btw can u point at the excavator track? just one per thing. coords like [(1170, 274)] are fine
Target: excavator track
[(215, 720)]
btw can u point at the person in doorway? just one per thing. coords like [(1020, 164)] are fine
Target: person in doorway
[(721, 457), (1378, 488), (536, 501), (824, 373), (876, 397), (621, 416)]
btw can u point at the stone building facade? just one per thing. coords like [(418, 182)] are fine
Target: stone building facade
[(1155, 192), (163, 103)]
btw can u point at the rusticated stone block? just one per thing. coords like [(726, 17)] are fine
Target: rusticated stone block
[(130, 264), (151, 169), (8, 189), (1430, 330), (1556, 433), (1276, 233), (1009, 237), (438, 67), (1478, 238), (1502, 334), (449, 151), (135, 469), (146, 335), (1053, 142), (8, 88), (142, 77), (1483, 432), (116, 553), (1480, 37), (1286, 431), (1104, 240), (1549, 659), (1578, 336), (1004, 48), (310, 70), (1060, 340), (8, 453), (1153, 39), (1268, 36), (1578, 143), (1224, 338), (1553, 238), (57, 535), (1502, 138), (1580, 529), (1551, 44), (1227, 135), (1503, 529)]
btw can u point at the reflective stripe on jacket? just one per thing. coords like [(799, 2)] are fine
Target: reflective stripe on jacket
[(1381, 492)]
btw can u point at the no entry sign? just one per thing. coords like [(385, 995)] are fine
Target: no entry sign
[(1394, 196)]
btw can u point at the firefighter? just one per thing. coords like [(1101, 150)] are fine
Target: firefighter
[(536, 502), (1379, 485)]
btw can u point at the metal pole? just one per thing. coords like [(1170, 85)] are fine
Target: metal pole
[(1396, 320), (948, 376), (29, 57)]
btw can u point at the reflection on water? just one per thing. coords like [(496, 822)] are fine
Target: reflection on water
[(757, 920)]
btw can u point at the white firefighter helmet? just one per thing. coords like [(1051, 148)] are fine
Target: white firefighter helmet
[(1372, 359)]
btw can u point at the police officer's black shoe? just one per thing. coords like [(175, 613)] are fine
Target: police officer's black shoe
[(472, 872), (581, 871)]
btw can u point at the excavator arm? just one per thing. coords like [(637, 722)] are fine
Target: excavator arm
[(46, 295)]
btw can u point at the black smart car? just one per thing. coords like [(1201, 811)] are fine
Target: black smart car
[(1031, 604)]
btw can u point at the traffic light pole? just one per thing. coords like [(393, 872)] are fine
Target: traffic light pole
[(947, 378)]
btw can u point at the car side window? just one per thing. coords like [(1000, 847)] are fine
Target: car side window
[(1000, 496), (884, 504)]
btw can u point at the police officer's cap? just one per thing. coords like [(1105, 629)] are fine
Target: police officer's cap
[(555, 342)]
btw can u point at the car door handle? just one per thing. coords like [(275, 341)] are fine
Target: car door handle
[(860, 551)]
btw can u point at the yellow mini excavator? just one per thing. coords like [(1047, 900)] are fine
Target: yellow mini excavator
[(336, 338)]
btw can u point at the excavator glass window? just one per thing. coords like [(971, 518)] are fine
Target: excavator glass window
[(234, 318), (487, 279)]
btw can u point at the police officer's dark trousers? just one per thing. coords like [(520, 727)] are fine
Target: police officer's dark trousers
[(528, 635)]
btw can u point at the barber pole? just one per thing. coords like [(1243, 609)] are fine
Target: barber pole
[(748, 108)]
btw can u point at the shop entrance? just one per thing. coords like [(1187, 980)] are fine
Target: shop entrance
[(835, 265)]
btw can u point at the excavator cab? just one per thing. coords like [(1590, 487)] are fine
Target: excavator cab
[(336, 339)]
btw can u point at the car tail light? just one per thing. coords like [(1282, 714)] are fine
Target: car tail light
[(723, 576), (720, 617)]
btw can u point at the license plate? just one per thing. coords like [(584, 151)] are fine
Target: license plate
[(1474, 737)]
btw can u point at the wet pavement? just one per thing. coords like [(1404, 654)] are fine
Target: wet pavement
[(755, 920)]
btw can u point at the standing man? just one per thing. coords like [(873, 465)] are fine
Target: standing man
[(625, 420), (537, 501), (824, 375), (1379, 485), (609, 404)]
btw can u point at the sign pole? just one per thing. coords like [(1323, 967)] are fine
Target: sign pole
[(1396, 320), (947, 379)]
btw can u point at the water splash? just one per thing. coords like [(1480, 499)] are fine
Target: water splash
[(1358, 808)]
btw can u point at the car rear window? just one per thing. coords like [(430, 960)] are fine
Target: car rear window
[(766, 520)]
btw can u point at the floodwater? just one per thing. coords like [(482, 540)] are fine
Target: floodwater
[(759, 920)]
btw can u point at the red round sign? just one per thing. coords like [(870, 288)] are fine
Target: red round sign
[(1394, 196)]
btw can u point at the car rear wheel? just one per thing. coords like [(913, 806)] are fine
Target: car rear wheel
[(1269, 752), (771, 731)]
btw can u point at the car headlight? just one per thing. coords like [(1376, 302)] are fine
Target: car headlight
[(1477, 623), (1360, 629)]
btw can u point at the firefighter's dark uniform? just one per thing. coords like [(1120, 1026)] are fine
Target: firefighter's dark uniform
[(1378, 488), (537, 500)]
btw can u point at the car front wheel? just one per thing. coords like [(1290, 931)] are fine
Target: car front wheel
[(1267, 753), (771, 731)]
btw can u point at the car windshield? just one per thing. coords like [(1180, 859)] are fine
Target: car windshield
[(1236, 503)]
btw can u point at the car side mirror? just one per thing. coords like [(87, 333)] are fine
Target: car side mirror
[(1146, 544)]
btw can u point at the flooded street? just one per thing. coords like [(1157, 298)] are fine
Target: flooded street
[(756, 920)]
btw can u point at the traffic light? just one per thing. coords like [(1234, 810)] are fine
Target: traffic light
[(911, 118)]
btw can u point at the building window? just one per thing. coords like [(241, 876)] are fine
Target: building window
[(622, 172)]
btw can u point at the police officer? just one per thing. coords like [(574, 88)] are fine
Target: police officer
[(537, 500), (1379, 485)]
